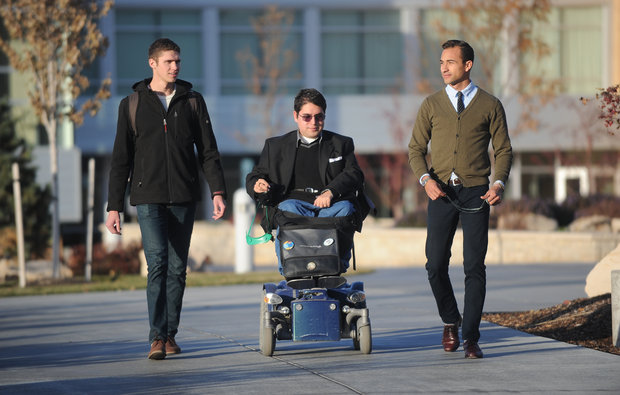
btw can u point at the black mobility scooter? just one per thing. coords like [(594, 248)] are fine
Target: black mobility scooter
[(314, 302)]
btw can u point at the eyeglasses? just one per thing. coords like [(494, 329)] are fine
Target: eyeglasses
[(307, 117)]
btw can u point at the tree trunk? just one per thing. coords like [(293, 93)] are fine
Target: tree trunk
[(51, 132)]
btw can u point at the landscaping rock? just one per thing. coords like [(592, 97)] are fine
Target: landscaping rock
[(527, 221), (42, 270), (615, 225), (4, 269), (598, 281), (593, 223)]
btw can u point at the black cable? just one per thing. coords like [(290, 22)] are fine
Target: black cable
[(467, 210)]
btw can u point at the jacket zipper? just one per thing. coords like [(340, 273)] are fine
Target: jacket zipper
[(168, 159)]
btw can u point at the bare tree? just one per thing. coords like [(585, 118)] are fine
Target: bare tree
[(585, 132), (497, 28), (53, 41), (389, 173), (607, 109), (500, 29), (609, 106), (265, 70)]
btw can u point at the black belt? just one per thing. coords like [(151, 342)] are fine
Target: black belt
[(308, 190)]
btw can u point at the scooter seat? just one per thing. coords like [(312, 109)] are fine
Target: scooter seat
[(301, 283), (331, 282)]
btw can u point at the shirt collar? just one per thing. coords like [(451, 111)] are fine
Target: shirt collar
[(469, 89), (305, 140)]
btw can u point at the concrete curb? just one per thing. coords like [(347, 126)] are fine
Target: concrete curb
[(379, 246)]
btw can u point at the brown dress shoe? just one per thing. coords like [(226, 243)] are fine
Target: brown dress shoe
[(472, 350), (450, 340), (158, 350), (172, 347)]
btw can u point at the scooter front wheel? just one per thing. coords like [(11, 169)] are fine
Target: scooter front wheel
[(267, 339), (356, 342), (364, 336)]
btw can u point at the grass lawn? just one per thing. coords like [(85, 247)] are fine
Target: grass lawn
[(135, 281)]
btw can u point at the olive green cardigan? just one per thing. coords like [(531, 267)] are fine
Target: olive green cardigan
[(460, 143)]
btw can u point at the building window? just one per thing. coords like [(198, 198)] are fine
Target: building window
[(604, 185), (437, 26), (537, 174), (137, 29), (538, 185), (430, 43), (361, 52), (575, 37), (254, 60)]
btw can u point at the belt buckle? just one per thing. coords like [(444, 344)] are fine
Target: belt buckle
[(456, 181), (310, 190)]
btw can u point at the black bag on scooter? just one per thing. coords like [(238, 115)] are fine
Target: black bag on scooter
[(311, 246)]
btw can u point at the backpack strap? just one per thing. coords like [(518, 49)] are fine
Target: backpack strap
[(193, 102), (133, 109)]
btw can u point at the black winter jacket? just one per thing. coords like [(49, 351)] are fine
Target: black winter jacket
[(159, 160)]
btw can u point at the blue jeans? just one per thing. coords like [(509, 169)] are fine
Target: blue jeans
[(166, 233), (339, 209)]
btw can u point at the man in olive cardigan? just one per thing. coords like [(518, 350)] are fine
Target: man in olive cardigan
[(459, 121)]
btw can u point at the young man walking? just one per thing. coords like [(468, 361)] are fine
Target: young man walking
[(459, 121), (154, 152)]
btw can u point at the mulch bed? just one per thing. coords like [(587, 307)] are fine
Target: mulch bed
[(585, 322)]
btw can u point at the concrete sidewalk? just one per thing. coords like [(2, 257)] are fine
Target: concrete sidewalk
[(95, 343)]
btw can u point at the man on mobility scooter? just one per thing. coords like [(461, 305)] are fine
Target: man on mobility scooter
[(312, 188)]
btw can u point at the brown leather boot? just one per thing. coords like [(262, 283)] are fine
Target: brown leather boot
[(172, 346), (158, 350)]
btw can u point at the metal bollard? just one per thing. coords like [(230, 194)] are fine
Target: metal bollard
[(243, 212), (615, 306)]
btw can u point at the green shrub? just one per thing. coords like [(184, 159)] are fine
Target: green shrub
[(35, 199), (414, 219), (118, 261), (595, 205)]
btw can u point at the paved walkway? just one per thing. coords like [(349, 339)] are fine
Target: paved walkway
[(95, 344)]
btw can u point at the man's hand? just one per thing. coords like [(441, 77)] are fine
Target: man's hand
[(324, 200), (113, 223), (219, 206), (261, 186), (433, 190), (494, 195)]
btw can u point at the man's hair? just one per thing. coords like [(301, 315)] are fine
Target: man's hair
[(467, 52), (309, 95), (160, 45)]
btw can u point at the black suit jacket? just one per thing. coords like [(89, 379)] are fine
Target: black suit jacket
[(337, 165)]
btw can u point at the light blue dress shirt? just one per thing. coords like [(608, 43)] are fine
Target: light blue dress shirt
[(468, 94)]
